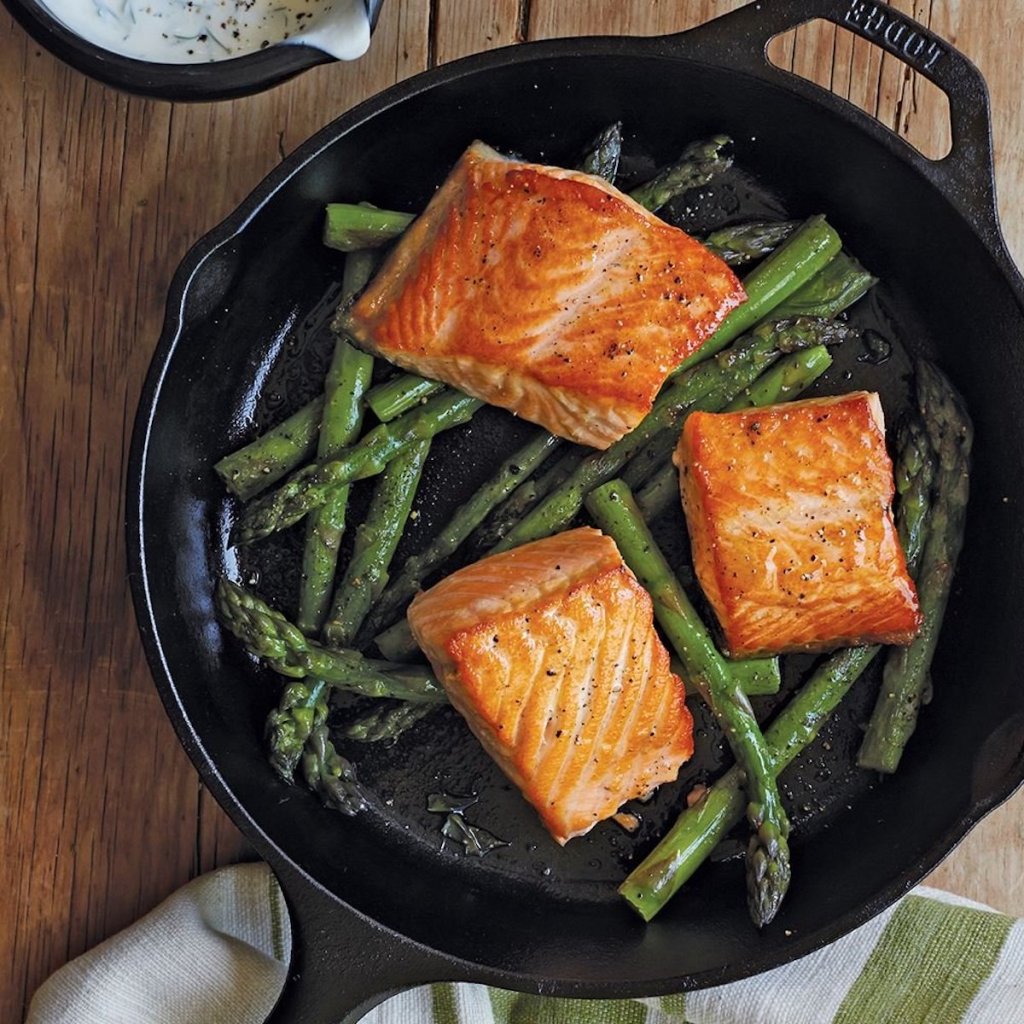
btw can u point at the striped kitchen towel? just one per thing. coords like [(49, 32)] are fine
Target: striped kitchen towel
[(215, 953)]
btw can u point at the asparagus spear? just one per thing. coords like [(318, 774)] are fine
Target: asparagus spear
[(329, 775), (400, 394), (768, 868), (297, 731), (302, 705), (385, 722), (792, 265), (914, 474), (524, 497), (268, 635), (784, 380), (463, 521), (905, 677), (352, 226), (698, 164), (342, 420), (310, 488), (660, 492), (601, 157), (700, 828), (377, 538), (282, 449), (656, 454), (272, 455), (840, 283), (739, 244), (724, 376), (756, 677)]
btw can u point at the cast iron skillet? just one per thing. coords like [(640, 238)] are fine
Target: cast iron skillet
[(376, 904)]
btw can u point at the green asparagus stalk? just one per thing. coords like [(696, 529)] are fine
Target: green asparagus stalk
[(297, 731), (377, 538), (806, 252), (393, 397), (463, 521), (352, 226), (698, 164), (739, 244), (700, 828), (768, 868), (523, 498), (347, 379), (563, 504), (784, 380), (384, 722), (905, 677), (329, 775), (756, 677), (273, 455), (601, 157), (302, 706), (268, 635), (913, 473), (660, 493), (839, 284), (656, 454), (725, 376), (310, 488)]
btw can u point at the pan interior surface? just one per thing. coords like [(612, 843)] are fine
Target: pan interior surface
[(252, 349)]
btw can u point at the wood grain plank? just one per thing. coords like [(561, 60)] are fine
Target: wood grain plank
[(462, 27), (551, 18), (101, 814)]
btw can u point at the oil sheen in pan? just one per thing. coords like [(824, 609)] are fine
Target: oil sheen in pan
[(440, 754)]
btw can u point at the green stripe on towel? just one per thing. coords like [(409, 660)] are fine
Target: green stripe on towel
[(523, 1008), (444, 1005), (673, 1004), (928, 965)]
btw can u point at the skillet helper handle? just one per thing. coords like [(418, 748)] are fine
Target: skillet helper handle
[(966, 175), (342, 963)]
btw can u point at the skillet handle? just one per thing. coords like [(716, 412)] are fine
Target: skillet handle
[(343, 964), (966, 175)]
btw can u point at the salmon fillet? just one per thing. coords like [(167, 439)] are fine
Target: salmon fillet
[(549, 653), (547, 292), (788, 509)]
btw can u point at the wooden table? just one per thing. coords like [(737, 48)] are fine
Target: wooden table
[(101, 194)]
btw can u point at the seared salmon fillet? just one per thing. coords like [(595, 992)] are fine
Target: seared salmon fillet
[(547, 292), (549, 653), (788, 509)]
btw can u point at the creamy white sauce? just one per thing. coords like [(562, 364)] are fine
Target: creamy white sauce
[(198, 31)]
